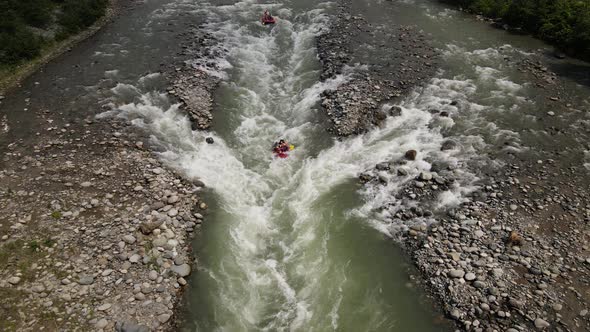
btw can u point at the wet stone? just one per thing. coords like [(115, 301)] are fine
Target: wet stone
[(411, 154), (456, 273), (541, 323), (182, 270)]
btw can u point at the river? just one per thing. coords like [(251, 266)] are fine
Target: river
[(295, 244)]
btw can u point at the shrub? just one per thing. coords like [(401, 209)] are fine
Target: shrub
[(79, 14), (18, 43), (35, 13)]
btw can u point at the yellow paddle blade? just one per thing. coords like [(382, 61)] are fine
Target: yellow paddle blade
[(291, 147)]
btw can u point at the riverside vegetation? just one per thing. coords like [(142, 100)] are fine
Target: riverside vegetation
[(563, 23), (29, 26)]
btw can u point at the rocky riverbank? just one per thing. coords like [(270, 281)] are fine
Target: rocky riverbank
[(95, 232), (515, 258), (403, 60), (191, 84)]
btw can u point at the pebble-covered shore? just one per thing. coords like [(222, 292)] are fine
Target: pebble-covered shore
[(95, 232), (405, 61)]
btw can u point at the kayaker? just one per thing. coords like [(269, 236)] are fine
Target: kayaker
[(266, 16), (281, 146)]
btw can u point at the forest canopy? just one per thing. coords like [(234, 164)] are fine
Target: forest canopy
[(564, 23), (26, 26)]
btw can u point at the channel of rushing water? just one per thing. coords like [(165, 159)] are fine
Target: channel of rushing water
[(281, 251)]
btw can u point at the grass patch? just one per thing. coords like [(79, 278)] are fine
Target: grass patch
[(55, 214), (49, 242), (21, 255), (8, 310), (34, 246)]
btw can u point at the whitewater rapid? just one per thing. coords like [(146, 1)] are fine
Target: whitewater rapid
[(277, 270)]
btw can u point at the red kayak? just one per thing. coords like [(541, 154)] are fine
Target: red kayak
[(268, 20), (281, 155)]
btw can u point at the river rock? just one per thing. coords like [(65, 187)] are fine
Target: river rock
[(14, 280), (541, 323), (425, 176), (86, 280), (380, 116), (101, 324), (456, 273), (163, 318), (104, 307), (135, 258), (395, 111), (172, 212), (470, 276), (448, 145), (497, 272), (129, 239), (182, 270), (127, 326), (153, 275), (382, 166), (148, 227), (411, 154), (454, 256), (209, 140), (160, 241)]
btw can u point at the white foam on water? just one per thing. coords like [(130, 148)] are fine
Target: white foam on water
[(103, 54), (4, 125), (111, 73), (275, 272), (248, 194)]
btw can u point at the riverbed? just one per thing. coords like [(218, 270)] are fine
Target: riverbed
[(300, 243)]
